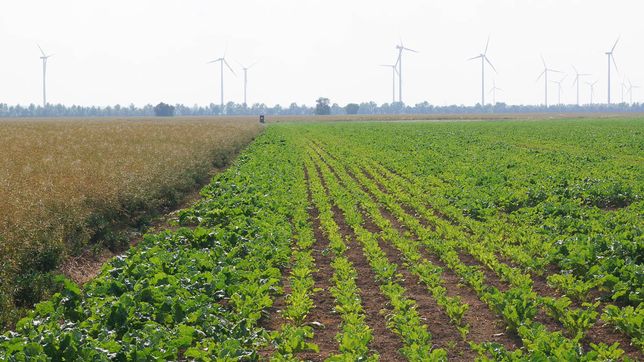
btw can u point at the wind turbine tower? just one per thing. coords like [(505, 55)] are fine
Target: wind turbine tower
[(222, 61), (610, 56), (484, 59), (592, 90), (394, 71), (493, 91), (545, 73), (246, 79), (401, 48), (576, 81), (630, 90), (44, 58), (558, 82)]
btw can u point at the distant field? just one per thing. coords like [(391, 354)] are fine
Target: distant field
[(67, 183)]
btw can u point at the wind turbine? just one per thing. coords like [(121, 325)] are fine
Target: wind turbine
[(493, 91), (222, 61), (484, 59), (401, 48), (623, 87), (545, 72), (44, 58), (592, 90), (630, 90), (246, 78), (610, 56), (558, 82), (576, 81), (394, 71)]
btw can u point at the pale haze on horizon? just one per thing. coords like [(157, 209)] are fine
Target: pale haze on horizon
[(147, 51)]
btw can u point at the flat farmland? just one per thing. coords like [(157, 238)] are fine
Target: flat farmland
[(366, 241), (66, 185)]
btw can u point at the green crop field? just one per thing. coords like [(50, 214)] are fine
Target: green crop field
[(366, 241)]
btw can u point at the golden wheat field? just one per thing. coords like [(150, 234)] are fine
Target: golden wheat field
[(65, 184)]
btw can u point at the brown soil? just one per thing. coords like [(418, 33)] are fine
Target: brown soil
[(374, 303), (485, 326), (444, 334), (604, 332), (323, 300)]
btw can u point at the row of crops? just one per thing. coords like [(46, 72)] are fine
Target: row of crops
[(541, 230)]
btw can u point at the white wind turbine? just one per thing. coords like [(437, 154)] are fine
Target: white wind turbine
[(623, 88), (401, 48), (394, 71), (222, 61), (493, 91), (484, 59), (245, 69), (44, 58), (558, 83), (610, 56), (630, 90), (592, 90), (545, 72), (576, 81)]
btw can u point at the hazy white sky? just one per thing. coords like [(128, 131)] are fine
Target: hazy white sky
[(146, 51)]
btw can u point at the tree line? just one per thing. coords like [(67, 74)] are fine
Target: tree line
[(323, 106)]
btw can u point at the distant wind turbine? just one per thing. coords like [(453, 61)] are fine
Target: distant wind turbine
[(484, 59), (558, 83), (592, 90), (44, 58), (245, 69), (630, 90), (576, 81), (401, 48), (610, 56), (394, 71), (222, 61), (545, 73), (623, 88), (493, 91)]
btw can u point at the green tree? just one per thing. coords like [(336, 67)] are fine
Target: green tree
[(352, 108), (163, 110), (322, 106)]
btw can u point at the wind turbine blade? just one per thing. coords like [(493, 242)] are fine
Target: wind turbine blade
[(615, 64), (555, 71), (616, 41), (213, 61), (576, 72), (575, 80), (228, 65), (490, 63), (411, 50), (541, 75), (499, 89), (543, 61), (252, 65), (476, 57), (486, 45), (41, 51)]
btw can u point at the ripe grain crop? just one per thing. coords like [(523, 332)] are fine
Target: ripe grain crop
[(67, 184)]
